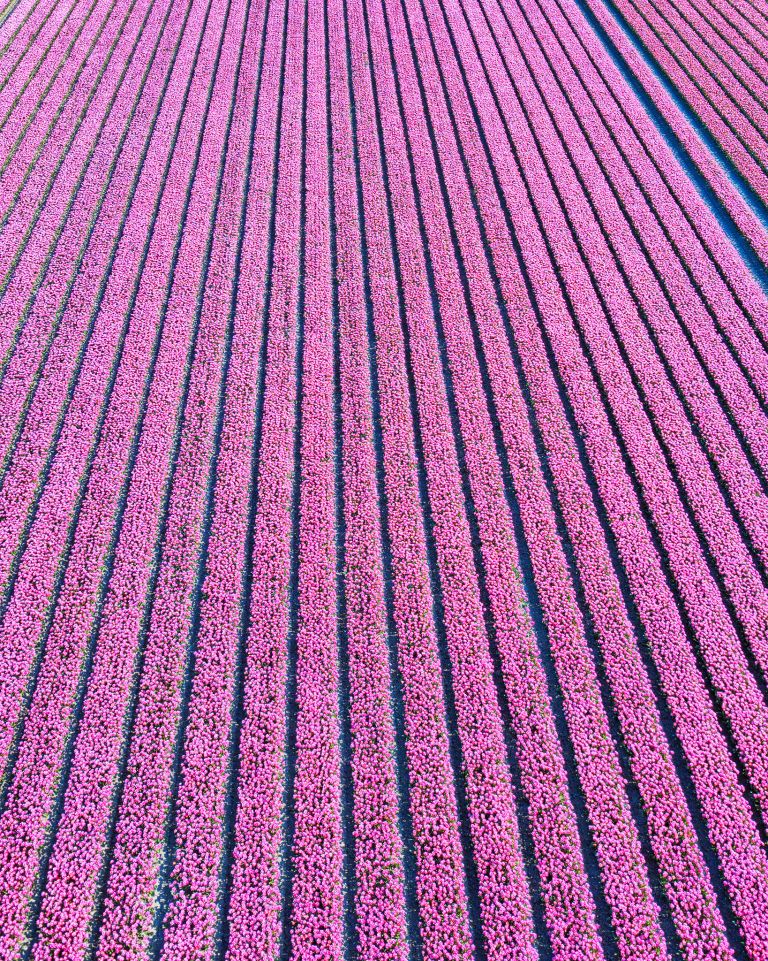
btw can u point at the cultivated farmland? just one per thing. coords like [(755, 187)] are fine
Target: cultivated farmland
[(384, 480)]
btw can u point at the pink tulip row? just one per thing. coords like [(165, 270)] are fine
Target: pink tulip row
[(47, 272), (22, 41), (381, 833), (748, 499), (622, 136), (221, 624), (743, 88), (725, 33), (46, 54), (681, 865), (317, 895), (711, 418), (700, 486), (31, 306), (86, 812), (641, 571), (495, 521), (704, 162), (82, 836), (747, 23), (56, 411), (744, 24), (742, 58), (740, 137), (490, 816), (20, 31), (528, 493), (735, 684), (367, 293), (564, 473), (635, 131), (39, 154), (194, 887), (17, 16), (196, 309), (48, 94), (286, 883), (40, 145), (738, 105)]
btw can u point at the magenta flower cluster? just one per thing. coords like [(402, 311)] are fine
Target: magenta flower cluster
[(383, 480)]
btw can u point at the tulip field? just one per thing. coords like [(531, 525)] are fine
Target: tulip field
[(383, 480)]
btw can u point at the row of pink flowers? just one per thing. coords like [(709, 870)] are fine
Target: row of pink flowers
[(742, 22), (20, 17), (67, 402), (55, 501), (442, 900), (77, 858), (637, 552), (195, 328), (535, 329), (738, 133), (737, 569), (317, 894), (712, 63), (260, 858), (378, 844), (659, 200), (573, 661), (720, 644), (406, 349), (626, 676), (704, 162), (724, 40), (569, 908), (681, 864), (500, 260), (62, 238), (665, 185), (190, 926), (27, 50), (548, 560), (36, 154), (28, 120)]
